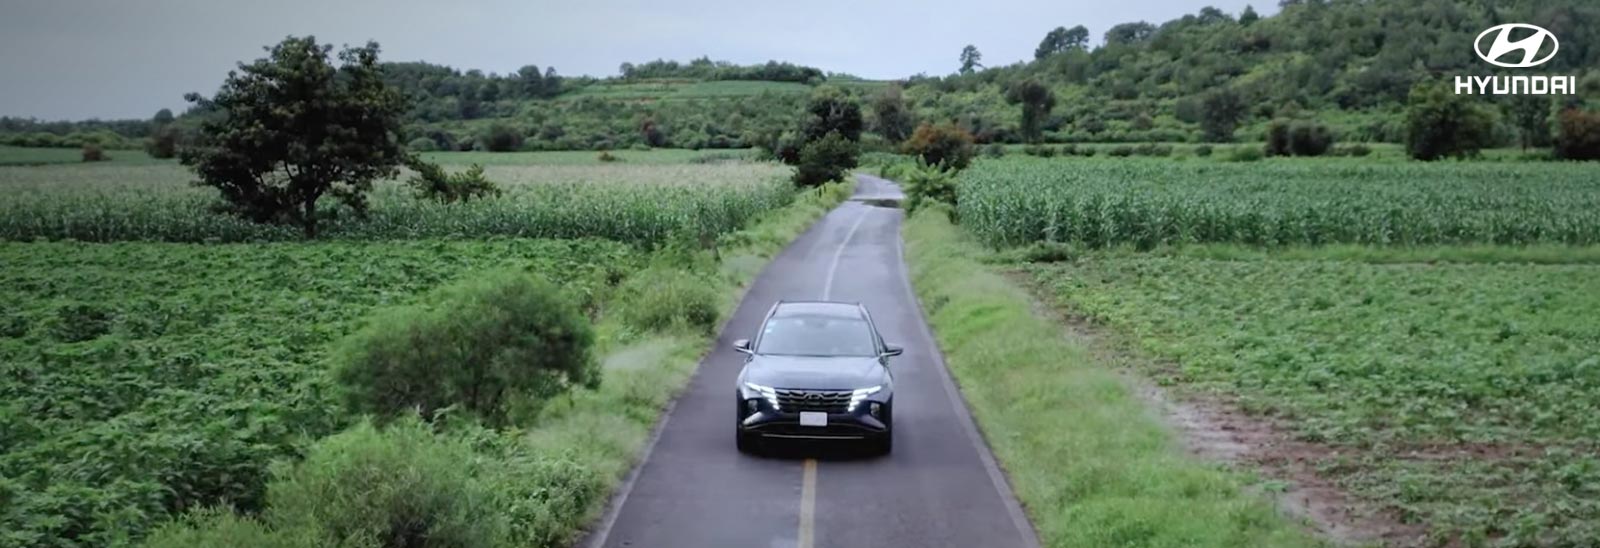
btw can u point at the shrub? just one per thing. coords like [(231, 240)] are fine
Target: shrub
[(639, 147), (221, 528), (1245, 154), (163, 143), (432, 183), (605, 157), (1153, 149), (945, 146), (474, 344), (80, 322), (926, 184), (422, 144), (93, 153), (825, 159), (1297, 138), (400, 486), (1202, 151), (1121, 151), (661, 298), (995, 150), (1356, 150), (500, 138), (1578, 135), (1441, 124)]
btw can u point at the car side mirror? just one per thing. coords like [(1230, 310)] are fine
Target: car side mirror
[(892, 350), (742, 345)]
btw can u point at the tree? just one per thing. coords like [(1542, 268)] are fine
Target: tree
[(163, 142), (162, 118), (1222, 111), (1531, 116), (289, 128), (1130, 33), (1037, 101), (945, 146), (891, 118), (970, 59), (1062, 39), (826, 159), (830, 110), (1248, 16), (1578, 137), (1442, 124)]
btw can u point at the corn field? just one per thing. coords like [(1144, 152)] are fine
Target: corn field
[(637, 204), (1148, 203)]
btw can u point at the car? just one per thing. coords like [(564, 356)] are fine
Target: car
[(816, 370)]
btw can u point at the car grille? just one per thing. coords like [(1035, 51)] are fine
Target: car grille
[(828, 401)]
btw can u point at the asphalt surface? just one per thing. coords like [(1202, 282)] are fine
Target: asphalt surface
[(938, 488)]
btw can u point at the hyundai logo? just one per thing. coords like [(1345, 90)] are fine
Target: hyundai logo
[(813, 396), (1529, 46)]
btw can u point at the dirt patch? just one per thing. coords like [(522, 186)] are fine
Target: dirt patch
[(1212, 427)]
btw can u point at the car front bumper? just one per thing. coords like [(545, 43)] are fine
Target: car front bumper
[(843, 426)]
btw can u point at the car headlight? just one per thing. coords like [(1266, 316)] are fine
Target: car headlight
[(766, 392), (860, 394)]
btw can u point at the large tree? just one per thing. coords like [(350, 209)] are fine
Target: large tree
[(1441, 124), (292, 127), (890, 117), (1062, 39), (970, 59), (1037, 101), (1222, 111)]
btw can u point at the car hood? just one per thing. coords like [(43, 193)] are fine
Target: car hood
[(837, 373)]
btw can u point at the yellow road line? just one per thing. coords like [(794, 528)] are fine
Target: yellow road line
[(808, 504)]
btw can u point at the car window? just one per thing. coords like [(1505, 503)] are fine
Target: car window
[(817, 336)]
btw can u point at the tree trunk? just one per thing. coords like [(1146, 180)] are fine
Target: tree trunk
[(308, 220)]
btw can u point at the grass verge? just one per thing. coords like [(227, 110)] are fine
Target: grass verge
[(1090, 463)]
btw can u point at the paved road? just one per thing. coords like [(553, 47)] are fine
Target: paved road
[(938, 488)]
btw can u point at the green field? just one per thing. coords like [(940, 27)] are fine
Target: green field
[(23, 156), (682, 89), (1151, 202), (148, 378), (1432, 327), (635, 202)]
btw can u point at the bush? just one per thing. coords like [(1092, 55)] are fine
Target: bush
[(397, 487), (221, 528), (422, 144), (163, 143), (605, 157), (93, 153), (1121, 151), (662, 298), (500, 138), (995, 150), (1356, 150), (1202, 151), (1245, 154), (825, 159), (1578, 135), (1441, 124), (474, 344), (432, 183), (945, 146), (1297, 138), (926, 184)]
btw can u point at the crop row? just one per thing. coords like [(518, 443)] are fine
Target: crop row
[(634, 204), (1147, 203)]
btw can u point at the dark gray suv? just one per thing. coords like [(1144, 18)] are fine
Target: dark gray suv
[(816, 370)]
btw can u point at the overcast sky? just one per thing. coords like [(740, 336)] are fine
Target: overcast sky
[(75, 59)]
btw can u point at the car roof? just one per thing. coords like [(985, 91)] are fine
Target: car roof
[(817, 308)]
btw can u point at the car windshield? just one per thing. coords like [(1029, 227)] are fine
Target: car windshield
[(816, 335)]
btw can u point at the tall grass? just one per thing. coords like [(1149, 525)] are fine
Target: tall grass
[(639, 204), (1146, 203)]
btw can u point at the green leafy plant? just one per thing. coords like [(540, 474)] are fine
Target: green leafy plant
[(475, 344), (431, 182)]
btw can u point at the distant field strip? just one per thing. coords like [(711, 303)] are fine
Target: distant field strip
[(641, 204), (1148, 203)]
